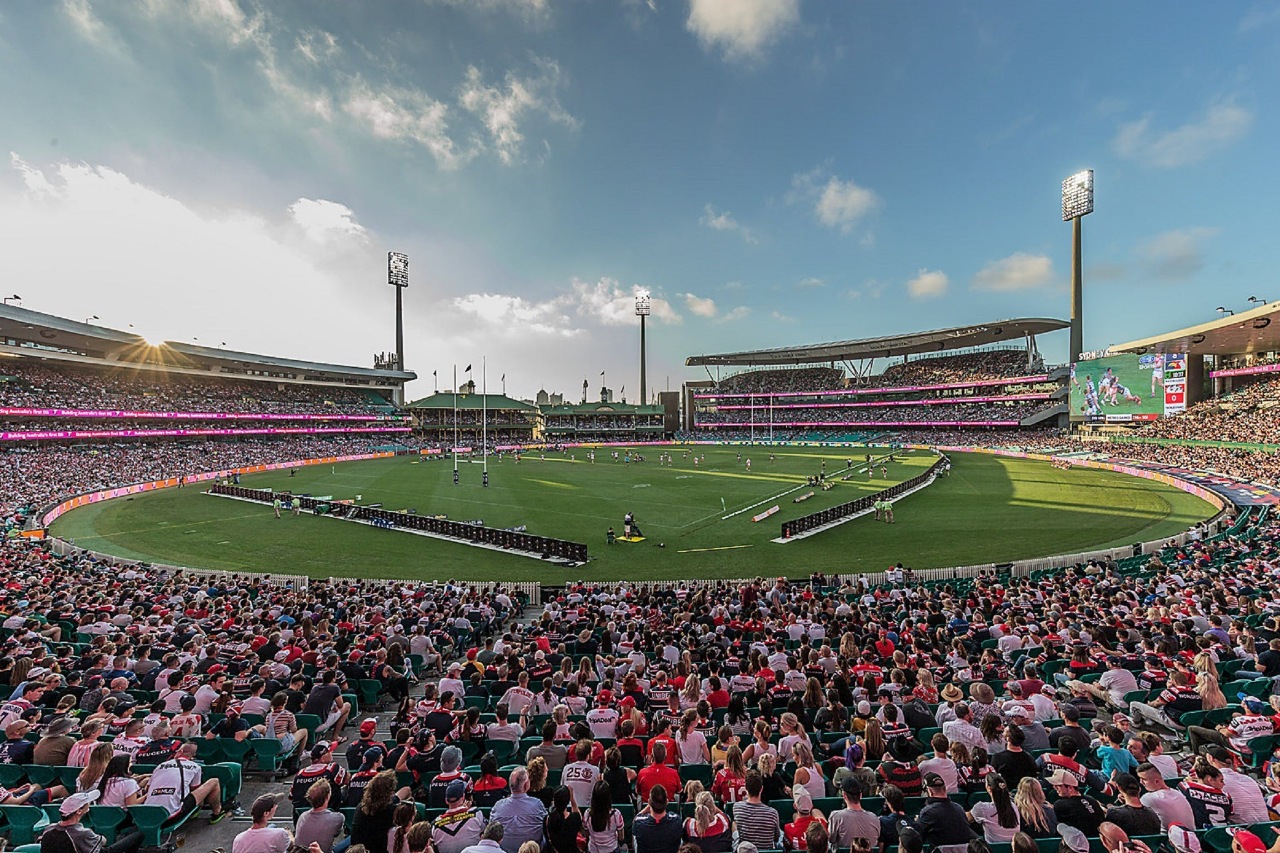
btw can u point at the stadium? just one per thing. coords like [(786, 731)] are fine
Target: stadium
[(895, 565)]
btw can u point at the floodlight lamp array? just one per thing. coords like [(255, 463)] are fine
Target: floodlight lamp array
[(643, 303), (1077, 195), (397, 269)]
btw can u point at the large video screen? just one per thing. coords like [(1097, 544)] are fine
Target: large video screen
[(1129, 387)]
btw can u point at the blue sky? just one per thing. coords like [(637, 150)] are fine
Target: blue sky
[(774, 171)]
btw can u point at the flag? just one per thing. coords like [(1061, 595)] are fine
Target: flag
[(468, 370), (602, 373), (433, 373), (504, 378)]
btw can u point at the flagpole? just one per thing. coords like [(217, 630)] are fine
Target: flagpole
[(484, 413), (455, 419)]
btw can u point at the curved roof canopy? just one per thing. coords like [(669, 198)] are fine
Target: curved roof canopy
[(939, 340), (1255, 330)]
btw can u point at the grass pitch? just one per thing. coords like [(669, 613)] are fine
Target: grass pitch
[(990, 509)]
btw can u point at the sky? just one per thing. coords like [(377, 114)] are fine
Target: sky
[(774, 172)]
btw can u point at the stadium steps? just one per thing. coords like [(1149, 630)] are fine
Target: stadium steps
[(1044, 415)]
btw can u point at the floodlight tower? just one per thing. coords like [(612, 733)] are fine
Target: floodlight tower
[(643, 305), (1077, 202), (398, 277)]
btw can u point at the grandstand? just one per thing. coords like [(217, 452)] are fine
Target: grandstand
[(602, 422), (84, 407), (510, 423), (986, 385)]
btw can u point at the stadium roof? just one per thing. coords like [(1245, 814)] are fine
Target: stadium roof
[(1255, 330), (470, 402), (38, 335), (939, 340)]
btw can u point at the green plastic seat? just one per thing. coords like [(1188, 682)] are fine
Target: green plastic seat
[(149, 819), (25, 822), (106, 821)]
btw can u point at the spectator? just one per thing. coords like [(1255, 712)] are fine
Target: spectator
[(262, 837), (656, 830), (319, 824), (521, 816)]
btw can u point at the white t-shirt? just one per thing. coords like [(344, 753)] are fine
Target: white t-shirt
[(268, 839), (691, 747), (603, 722), (984, 814), (118, 792), (580, 777), (172, 781)]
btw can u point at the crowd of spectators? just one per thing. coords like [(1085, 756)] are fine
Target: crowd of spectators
[(32, 477), (18, 426), (30, 385), (1005, 411), (802, 715), (966, 367), (1251, 414), (783, 380), (1255, 361)]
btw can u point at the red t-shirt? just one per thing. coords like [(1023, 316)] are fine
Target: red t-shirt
[(658, 774)]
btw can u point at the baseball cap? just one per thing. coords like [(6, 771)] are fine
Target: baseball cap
[(933, 780), (455, 790), (1249, 842), (263, 805), (1073, 839), (1014, 709), (76, 802), (1062, 777), (368, 727), (628, 701), (604, 697), (371, 755), (1183, 839), (1252, 703), (321, 748)]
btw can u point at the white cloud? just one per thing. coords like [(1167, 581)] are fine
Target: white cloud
[(779, 317), (741, 29), (144, 257), (700, 306), (836, 203), (514, 312), (928, 284), (1222, 124), (736, 314), (1019, 271), (317, 46), (609, 303), (405, 115), (502, 108), (322, 220), (532, 10), (725, 222), (1175, 255), (811, 282), (91, 28)]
